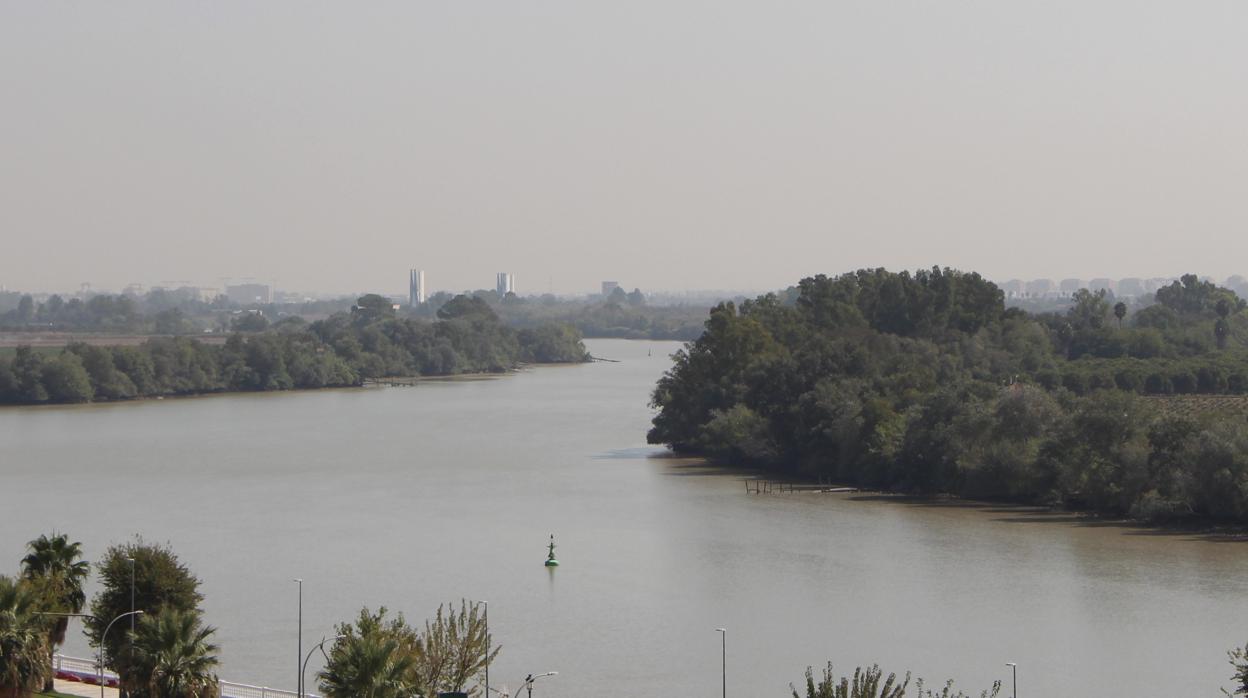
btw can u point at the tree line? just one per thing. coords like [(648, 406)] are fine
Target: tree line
[(926, 383), (343, 350)]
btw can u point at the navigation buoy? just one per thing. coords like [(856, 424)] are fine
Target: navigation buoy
[(550, 557)]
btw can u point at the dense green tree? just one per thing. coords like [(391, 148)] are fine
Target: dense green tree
[(372, 658), (27, 369), (463, 307), (173, 657), (161, 584), (249, 322), (384, 656), (24, 666), (107, 382), (26, 309), (55, 570), (893, 381), (65, 379), (372, 307)]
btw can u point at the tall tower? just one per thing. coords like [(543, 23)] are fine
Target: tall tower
[(506, 283), (416, 287)]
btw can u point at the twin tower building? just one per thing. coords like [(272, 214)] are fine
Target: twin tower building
[(418, 292)]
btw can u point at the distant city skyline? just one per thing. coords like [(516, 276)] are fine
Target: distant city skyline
[(418, 287), (748, 147)]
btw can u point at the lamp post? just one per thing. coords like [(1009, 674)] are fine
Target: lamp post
[(131, 561), (487, 647), (104, 636), (528, 680), (486, 604), (100, 653), (723, 648), (319, 646), (299, 651), (1014, 668)]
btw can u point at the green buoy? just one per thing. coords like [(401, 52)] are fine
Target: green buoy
[(550, 557)]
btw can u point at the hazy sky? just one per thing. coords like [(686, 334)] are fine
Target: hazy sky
[(666, 145)]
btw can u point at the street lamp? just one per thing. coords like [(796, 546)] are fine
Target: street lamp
[(105, 636), (528, 680), (131, 561), (299, 651), (487, 646), (320, 646), (1014, 668), (723, 634), (100, 654)]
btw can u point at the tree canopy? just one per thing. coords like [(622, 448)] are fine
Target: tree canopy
[(925, 382), (342, 350)]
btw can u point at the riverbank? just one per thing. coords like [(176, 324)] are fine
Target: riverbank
[(764, 482)]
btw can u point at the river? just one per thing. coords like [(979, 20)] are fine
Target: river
[(408, 497)]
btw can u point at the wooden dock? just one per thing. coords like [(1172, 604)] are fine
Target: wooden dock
[(764, 486)]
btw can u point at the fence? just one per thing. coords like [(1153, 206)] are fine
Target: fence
[(88, 671)]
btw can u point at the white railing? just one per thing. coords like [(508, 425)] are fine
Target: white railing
[(81, 669), (242, 690), (88, 671)]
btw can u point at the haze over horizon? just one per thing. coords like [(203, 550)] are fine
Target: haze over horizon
[(330, 147)]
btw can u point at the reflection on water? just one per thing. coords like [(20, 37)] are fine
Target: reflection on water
[(410, 497)]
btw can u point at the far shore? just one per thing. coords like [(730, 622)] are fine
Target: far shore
[(371, 384)]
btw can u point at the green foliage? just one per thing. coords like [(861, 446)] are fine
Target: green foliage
[(1238, 657), (54, 569), (948, 691), (454, 649), (372, 659), (926, 383), (339, 351), (173, 657), (24, 665), (871, 683), (867, 683), (249, 322), (161, 584), (383, 657)]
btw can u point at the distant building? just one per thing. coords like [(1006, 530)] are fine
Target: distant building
[(1069, 286), (608, 287), (1012, 288), (506, 283), (416, 292), (1131, 287), (244, 294), (1158, 282), (1102, 284), (1039, 288)]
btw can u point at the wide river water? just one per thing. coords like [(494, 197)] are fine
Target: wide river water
[(408, 497)]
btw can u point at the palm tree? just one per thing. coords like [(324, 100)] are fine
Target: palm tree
[(369, 665), (173, 657), (23, 641), (56, 568)]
